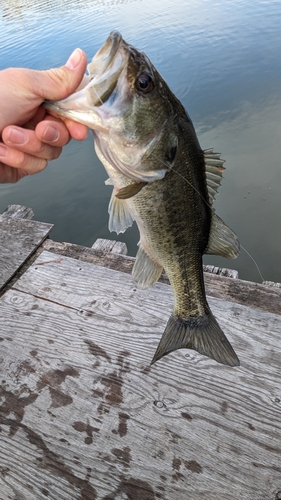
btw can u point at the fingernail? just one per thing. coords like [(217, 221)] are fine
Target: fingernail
[(74, 59), (51, 134), (17, 136), (3, 151)]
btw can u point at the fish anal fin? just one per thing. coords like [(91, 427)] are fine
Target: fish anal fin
[(120, 217), (203, 334), (145, 271), (130, 190), (222, 240)]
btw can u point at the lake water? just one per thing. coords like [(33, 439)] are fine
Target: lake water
[(222, 60)]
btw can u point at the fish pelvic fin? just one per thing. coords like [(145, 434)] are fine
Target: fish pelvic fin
[(130, 190), (120, 217), (203, 334), (145, 271)]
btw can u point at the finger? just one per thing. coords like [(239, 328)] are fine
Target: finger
[(64, 126), (36, 86), (77, 131), (52, 131), (37, 118), (10, 174), (28, 164), (26, 141), (58, 83)]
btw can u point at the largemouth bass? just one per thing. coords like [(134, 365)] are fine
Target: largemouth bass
[(161, 179)]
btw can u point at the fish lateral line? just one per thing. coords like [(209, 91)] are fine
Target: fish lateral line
[(170, 168)]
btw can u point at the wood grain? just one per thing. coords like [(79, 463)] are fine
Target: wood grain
[(106, 246), (111, 246), (262, 296), (84, 416), (19, 238), (18, 212)]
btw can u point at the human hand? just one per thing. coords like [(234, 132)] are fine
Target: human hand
[(31, 136)]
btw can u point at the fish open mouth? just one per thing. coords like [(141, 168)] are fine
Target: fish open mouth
[(105, 68), (102, 60), (103, 73)]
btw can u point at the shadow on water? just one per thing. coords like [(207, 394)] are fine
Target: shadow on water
[(224, 65)]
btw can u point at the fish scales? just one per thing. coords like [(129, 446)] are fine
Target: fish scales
[(171, 231), (161, 179)]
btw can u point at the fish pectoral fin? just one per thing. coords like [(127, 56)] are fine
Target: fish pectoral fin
[(145, 271), (222, 240), (203, 334), (130, 190), (120, 217)]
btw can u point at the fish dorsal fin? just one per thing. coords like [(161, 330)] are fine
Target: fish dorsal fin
[(214, 169), (120, 217), (145, 271), (222, 240)]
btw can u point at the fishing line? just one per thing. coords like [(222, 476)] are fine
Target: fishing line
[(93, 87), (253, 260), (208, 205), (186, 180), (199, 194)]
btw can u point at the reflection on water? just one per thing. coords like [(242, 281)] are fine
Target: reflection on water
[(223, 62), (19, 10)]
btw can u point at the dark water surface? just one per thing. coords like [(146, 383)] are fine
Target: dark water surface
[(221, 59)]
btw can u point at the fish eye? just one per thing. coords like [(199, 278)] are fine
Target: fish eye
[(144, 83)]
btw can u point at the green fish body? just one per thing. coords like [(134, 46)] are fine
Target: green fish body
[(163, 181)]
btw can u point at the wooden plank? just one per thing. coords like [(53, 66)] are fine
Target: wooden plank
[(84, 416), (221, 271), (18, 212), (19, 238), (272, 283), (112, 246), (262, 296), (106, 246)]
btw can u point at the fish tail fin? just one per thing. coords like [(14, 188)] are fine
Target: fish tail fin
[(202, 334)]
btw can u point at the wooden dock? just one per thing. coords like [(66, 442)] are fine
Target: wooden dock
[(83, 415)]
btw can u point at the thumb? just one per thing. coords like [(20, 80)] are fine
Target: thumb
[(57, 83)]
